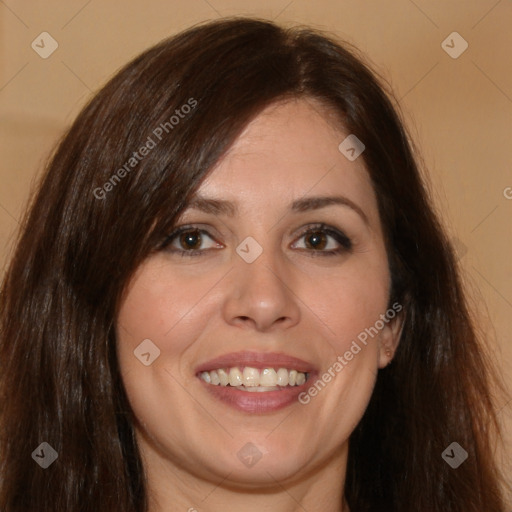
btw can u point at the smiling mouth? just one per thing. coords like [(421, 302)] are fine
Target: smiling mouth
[(253, 379)]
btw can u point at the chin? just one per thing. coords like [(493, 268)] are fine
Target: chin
[(258, 464)]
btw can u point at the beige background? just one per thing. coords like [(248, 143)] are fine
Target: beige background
[(459, 110)]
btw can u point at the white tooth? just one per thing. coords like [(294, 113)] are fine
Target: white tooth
[(282, 377), (301, 378), (251, 376), (214, 376), (223, 376), (268, 377), (235, 377), (265, 380)]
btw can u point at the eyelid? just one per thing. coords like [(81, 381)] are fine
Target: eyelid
[(345, 243), (166, 244)]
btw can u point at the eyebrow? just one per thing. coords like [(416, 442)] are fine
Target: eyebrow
[(228, 208)]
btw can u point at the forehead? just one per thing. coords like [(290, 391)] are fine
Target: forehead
[(290, 150)]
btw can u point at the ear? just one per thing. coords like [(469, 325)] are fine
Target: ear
[(390, 335)]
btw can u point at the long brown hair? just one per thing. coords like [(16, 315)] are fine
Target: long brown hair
[(90, 225)]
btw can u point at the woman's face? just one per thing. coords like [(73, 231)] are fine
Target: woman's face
[(280, 271)]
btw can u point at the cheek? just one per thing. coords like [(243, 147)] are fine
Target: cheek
[(171, 311), (347, 309), (348, 301), (163, 307)]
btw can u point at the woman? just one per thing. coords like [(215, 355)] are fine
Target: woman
[(231, 292)]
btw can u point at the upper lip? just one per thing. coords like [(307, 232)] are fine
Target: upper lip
[(256, 360)]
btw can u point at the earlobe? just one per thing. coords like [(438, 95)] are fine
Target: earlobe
[(385, 356), (390, 339)]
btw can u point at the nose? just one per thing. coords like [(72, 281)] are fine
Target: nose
[(260, 295)]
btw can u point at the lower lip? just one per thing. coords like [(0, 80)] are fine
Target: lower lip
[(257, 402)]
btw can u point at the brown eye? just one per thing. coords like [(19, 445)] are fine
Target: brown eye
[(322, 240), (316, 240), (190, 239)]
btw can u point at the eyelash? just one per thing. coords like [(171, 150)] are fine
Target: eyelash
[(344, 242)]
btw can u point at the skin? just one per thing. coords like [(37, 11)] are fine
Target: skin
[(292, 299)]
